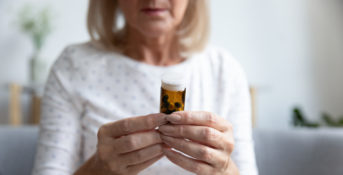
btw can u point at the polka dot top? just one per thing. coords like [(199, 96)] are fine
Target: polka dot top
[(88, 87)]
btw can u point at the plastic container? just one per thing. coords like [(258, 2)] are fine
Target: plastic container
[(173, 93)]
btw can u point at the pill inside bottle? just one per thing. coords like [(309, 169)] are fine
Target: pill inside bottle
[(173, 92)]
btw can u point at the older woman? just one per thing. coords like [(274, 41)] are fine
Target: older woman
[(101, 99)]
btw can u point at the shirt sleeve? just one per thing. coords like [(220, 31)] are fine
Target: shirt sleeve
[(59, 144), (239, 114)]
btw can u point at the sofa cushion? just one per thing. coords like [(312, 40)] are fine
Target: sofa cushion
[(17, 149), (278, 152), (299, 151)]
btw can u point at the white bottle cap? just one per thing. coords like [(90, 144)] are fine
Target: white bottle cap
[(173, 81)]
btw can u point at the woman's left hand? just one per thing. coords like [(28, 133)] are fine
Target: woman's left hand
[(207, 138)]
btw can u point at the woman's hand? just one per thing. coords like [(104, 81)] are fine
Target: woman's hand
[(127, 146), (207, 138)]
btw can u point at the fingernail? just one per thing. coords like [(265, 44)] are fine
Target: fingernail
[(173, 118), (165, 129), (163, 120)]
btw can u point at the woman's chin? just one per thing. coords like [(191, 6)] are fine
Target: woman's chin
[(156, 32), (155, 29)]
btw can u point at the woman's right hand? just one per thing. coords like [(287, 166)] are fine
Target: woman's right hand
[(127, 146)]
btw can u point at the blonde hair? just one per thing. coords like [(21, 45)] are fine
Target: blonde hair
[(103, 27)]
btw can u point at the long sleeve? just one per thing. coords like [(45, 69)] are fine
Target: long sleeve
[(59, 144), (240, 117), (236, 108), (88, 87), (241, 111)]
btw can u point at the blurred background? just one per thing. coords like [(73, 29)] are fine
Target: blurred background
[(291, 50)]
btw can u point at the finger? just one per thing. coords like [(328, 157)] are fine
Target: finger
[(134, 169), (199, 118), (186, 163), (136, 141), (143, 155), (202, 134), (200, 152), (134, 124)]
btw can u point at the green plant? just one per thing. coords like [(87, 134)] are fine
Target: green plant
[(299, 119), (331, 122), (37, 24)]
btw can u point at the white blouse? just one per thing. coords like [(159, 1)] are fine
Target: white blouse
[(88, 87)]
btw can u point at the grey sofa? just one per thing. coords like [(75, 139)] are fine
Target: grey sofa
[(278, 152)]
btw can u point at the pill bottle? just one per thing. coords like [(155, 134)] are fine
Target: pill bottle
[(173, 92)]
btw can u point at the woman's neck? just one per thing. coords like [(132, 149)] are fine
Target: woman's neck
[(161, 51)]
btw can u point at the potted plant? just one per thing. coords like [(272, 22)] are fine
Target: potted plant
[(300, 120), (37, 25)]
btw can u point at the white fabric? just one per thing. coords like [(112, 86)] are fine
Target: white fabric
[(88, 87)]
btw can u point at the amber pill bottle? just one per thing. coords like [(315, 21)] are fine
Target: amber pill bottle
[(173, 93)]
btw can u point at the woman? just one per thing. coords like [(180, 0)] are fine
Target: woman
[(102, 97)]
